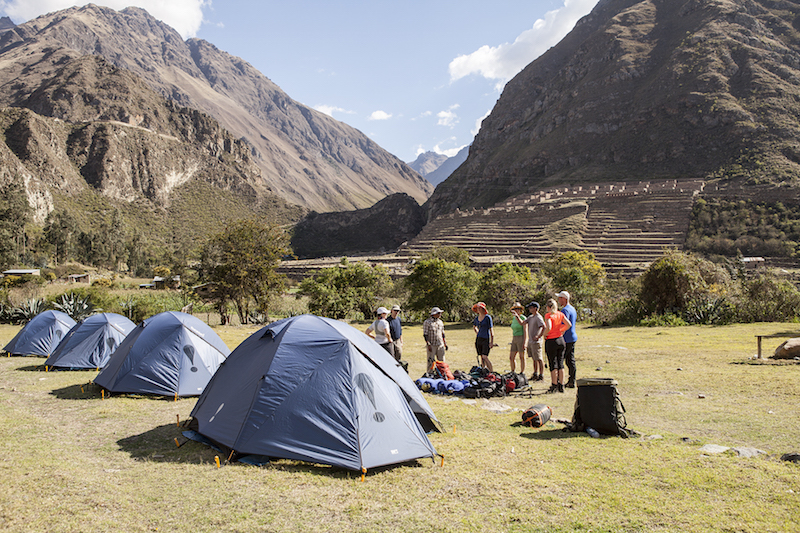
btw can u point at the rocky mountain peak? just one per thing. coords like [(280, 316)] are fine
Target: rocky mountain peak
[(646, 90)]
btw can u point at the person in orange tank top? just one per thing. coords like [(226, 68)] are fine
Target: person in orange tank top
[(555, 324)]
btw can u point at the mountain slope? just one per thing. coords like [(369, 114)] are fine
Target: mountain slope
[(646, 90), (305, 156), (448, 166), (93, 138), (427, 162)]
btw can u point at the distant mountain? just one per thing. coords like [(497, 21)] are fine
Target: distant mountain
[(646, 90), (447, 167), (304, 156), (427, 162)]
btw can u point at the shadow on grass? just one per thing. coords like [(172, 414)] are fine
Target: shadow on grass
[(79, 391), (32, 368), (159, 445), (552, 434)]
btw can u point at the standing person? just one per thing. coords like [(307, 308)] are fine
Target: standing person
[(433, 331), (555, 324), (396, 329), (484, 334), (382, 334), (535, 330), (519, 337), (570, 336)]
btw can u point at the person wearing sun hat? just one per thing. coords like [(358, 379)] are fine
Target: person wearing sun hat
[(484, 334), (380, 327), (519, 337)]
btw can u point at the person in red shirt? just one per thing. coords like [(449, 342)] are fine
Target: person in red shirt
[(555, 324)]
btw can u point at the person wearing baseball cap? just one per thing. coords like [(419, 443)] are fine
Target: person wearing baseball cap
[(396, 329), (535, 329), (380, 327), (433, 332), (570, 336)]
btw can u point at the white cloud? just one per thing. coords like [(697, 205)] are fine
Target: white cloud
[(506, 60), (330, 110), (185, 16), (448, 117), (450, 152), (379, 115), (478, 122)]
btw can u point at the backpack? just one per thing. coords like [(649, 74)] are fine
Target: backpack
[(598, 406), (482, 388), (441, 370)]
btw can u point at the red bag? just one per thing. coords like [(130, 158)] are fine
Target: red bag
[(442, 369)]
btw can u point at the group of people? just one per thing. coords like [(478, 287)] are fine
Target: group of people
[(555, 330)]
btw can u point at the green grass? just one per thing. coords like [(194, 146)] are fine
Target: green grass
[(71, 461)]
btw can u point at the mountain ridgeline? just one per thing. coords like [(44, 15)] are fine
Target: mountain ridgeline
[(646, 90)]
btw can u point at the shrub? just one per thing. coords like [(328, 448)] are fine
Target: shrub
[(450, 286), (505, 283)]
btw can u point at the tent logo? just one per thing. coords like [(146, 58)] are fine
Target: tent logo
[(189, 351), (364, 382)]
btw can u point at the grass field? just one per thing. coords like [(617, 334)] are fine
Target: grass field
[(71, 461)]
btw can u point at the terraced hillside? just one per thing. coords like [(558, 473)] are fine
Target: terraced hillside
[(624, 225)]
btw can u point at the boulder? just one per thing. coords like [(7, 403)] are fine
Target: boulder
[(788, 350)]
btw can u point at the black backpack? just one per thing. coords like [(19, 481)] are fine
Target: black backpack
[(598, 406)]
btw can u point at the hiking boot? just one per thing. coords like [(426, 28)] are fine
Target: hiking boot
[(560, 387), (552, 389), (571, 384)]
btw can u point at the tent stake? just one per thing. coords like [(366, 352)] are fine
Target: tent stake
[(216, 460), (454, 429), (363, 473), (177, 443), (230, 456), (178, 423), (103, 394)]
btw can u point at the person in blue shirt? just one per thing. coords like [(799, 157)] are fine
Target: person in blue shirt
[(396, 327), (484, 334), (570, 336)]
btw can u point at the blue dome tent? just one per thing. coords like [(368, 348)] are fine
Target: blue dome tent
[(91, 342), (41, 335), (315, 389), (167, 354)]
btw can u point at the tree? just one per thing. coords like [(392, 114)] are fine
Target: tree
[(14, 215), (450, 286), (678, 282), (61, 232), (241, 262), (347, 288), (578, 273), (506, 283)]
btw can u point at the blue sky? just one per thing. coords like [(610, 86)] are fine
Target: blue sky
[(414, 75)]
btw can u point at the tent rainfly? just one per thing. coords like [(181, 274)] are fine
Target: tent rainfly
[(41, 335), (167, 354), (315, 389), (91, 342)]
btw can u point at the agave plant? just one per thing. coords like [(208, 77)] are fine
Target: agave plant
[(75, 306), (29, 309)]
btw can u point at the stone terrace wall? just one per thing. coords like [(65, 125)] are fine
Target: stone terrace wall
[(625, 223)]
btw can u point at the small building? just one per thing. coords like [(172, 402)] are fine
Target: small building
[(752, 262), (79, 278), (23, 272)]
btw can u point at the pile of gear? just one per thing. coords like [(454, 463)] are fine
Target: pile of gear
[(479, 382)]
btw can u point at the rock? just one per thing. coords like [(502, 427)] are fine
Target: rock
[(470, 402), (654, 437), (792, 457), (748, 452), (714, 448), (788, 349), (496, 407), (701, 396)]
